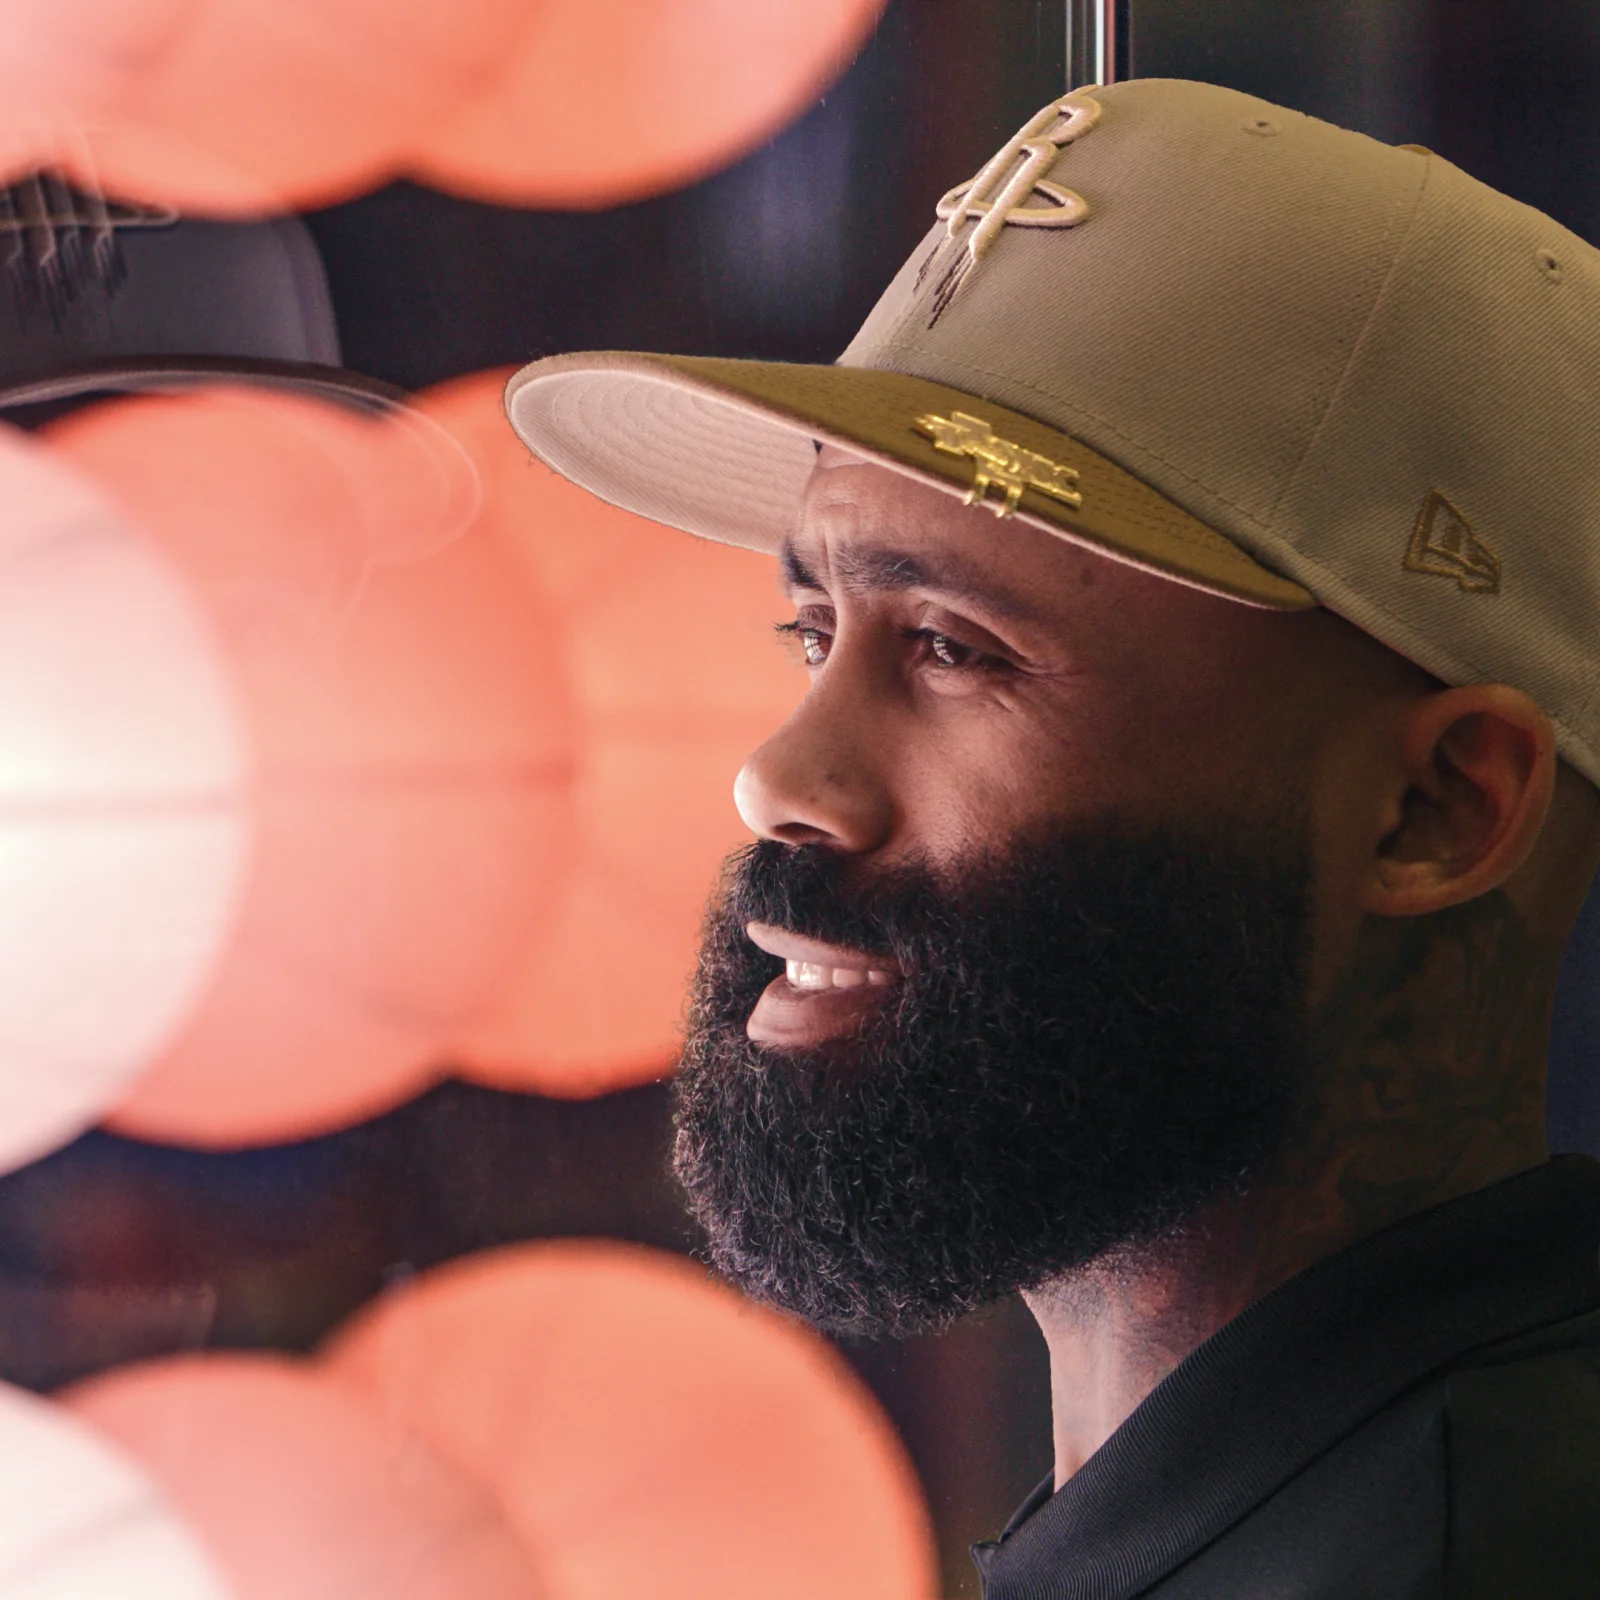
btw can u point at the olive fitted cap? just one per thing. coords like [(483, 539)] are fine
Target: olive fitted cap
[(1220, 340)]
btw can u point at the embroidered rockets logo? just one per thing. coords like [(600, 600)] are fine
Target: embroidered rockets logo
[(998, 461), (1011, 191)]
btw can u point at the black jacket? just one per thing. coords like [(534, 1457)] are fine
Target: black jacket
[(1415, 1418)]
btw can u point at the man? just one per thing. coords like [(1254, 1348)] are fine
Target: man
[(1159, 893)]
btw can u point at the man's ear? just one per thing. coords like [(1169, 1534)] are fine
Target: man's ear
[(1477, 771)]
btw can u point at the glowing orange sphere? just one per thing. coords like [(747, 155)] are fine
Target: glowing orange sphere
[(409, 779), (124, 834), (485, 785), (80, 1521), (611, 100), (667, 649), (299, 1490), (236, 106), (646, 1431)]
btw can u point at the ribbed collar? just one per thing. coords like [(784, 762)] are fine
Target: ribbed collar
[(1297, 1371)]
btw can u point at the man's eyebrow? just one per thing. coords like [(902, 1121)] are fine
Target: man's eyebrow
[(896, 570), (796, 574)]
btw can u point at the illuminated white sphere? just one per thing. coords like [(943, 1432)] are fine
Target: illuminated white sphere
[(80, 1521), (123, 836)]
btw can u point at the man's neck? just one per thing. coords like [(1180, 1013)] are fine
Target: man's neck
[(1116, 1328), (1425, 1081)]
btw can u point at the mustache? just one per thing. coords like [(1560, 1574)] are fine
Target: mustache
[(808, 890), (909, 911), (902, 913)]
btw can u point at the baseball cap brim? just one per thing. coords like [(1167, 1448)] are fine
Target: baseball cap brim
[(724, 449)]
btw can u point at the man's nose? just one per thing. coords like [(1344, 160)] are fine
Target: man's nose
[(820, 779)]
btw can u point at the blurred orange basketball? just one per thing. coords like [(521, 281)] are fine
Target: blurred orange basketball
[(489, 776)]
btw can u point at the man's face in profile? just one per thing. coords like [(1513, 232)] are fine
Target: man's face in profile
[(1031, 918)]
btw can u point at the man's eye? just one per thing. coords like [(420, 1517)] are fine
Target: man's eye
[(813, 642), (946, 651)]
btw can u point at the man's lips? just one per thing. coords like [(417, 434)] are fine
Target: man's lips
[(825, 991)]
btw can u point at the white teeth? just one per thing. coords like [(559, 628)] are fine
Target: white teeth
[(813, 975)]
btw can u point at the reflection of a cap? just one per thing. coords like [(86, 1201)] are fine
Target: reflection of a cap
[(106, 296)]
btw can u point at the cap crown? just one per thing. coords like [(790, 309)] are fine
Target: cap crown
[(1377, 375)]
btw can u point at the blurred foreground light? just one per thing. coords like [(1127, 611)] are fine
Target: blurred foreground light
[(407, 759), (471, 737), (236, 106), (602, 101), (79, 1521), (667, 651), (299, 1490), (124, 824), (554, 1421), (646, 1431)]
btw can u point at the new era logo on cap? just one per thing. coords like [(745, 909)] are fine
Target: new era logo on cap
[(1443, 543)]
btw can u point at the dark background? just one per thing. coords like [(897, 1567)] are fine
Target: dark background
[(112, 1249)]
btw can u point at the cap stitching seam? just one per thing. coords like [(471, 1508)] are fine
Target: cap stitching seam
[(1357, 346)]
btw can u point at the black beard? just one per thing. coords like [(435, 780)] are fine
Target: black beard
[(1094, 1038)]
